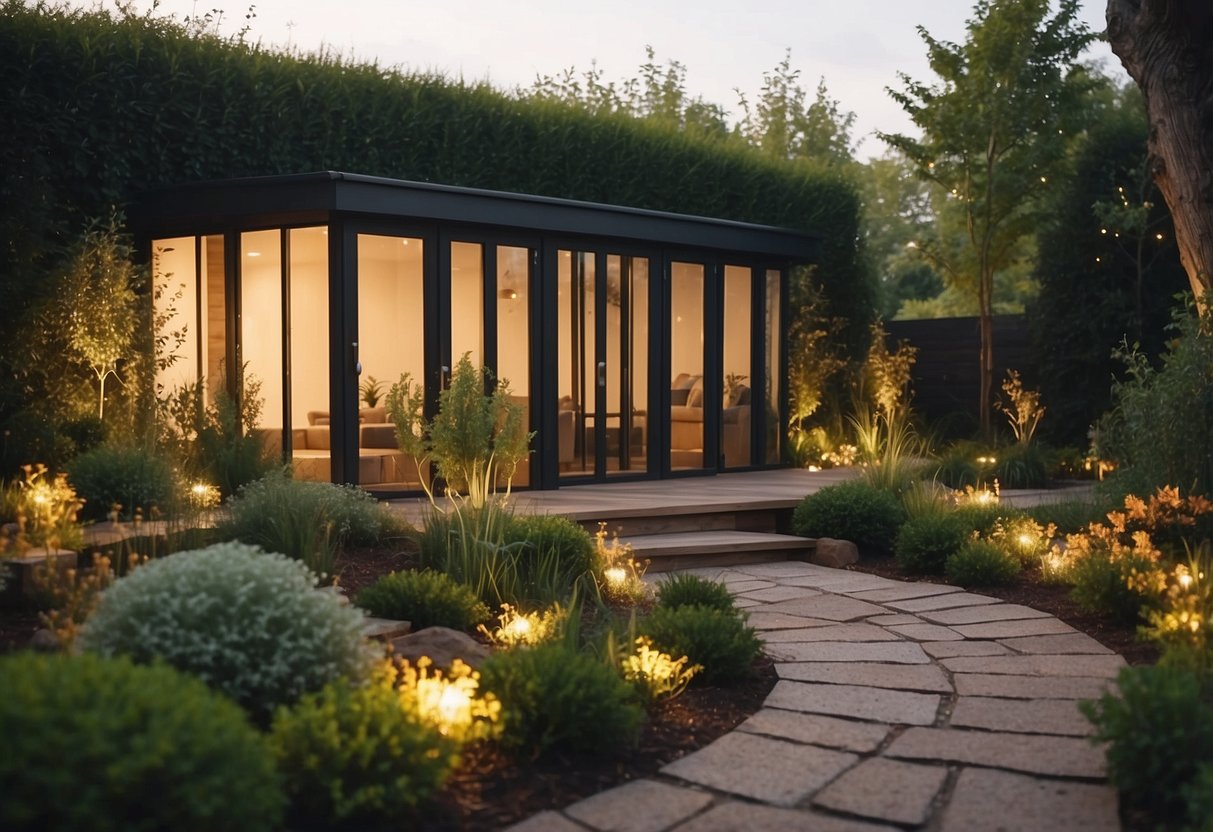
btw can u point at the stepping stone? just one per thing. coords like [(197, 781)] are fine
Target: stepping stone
[(833, 607), (741, 603), (905, 591), (761, 619), (927, 632), (1014, 629), (1101, 666), (953, 600), (893, 707), (810, 633), (747, 585), (385, 628), (839, 632), (548, 821), (773, 593), (950, 649), (885, 790), (842, 582), (814, 729), (924, 677), (983, 614), (639, 806), (780, 570), (896, 652), (734, 817), (760, 768), (895, 619), (988, 800), (1020, 716), (1055, 756), (1030, 687), (1067, 643)]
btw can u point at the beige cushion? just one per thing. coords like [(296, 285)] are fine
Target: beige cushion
[(318, 438), (317, 417), (373, 415)]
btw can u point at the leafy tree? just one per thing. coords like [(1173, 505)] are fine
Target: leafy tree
[(995, 127), (1107, 268), (1167, 48)]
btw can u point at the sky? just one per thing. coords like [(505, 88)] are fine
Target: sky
[(857, 46)]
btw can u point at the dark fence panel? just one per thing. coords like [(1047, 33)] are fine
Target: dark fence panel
[(947, 383)]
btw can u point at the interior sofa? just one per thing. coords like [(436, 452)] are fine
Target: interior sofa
[(686, 423)]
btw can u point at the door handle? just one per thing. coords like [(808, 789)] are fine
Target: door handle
[(445, 380), (602, 374), (357, 363)]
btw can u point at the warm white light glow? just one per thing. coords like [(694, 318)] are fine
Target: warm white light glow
[(1185, 580), (520, 626), (453, 703), (615, 575)]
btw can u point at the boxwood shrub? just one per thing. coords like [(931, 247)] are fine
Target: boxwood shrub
[(853, 510)]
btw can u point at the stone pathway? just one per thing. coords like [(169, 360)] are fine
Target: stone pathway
[(898, 706)]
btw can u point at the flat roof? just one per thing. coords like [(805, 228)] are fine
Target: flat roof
[(203, 207)]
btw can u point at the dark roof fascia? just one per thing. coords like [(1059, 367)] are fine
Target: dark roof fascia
[(308, 195)]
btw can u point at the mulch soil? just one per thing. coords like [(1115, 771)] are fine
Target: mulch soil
[(492, 790)]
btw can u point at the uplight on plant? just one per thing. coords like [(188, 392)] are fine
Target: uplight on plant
[(622, 574), (516, 628), (656, 674), (450, 702)]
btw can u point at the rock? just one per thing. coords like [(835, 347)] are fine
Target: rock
[(443, 645), (834, 553), (44, 641)]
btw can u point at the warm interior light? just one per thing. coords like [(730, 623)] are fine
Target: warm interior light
[(508, 294), (254, 254)]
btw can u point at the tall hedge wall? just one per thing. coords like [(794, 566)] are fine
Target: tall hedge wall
[(98, 107)]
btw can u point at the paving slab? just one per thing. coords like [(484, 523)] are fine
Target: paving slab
[(1099, 666), (761, 619), (773, 771), (1066, 643), (983, 613), (856, 632), (893, 707), (986, 801), (1021, 716), (841, 582), (949, 649), (747, 817), (780, 570), (920, 677), (773, 593), (926, 632), (808, 633), (741, 602), (546, 822), (639, 806), (895, 619), (904, 591), (1014, 629), (1030, 687), (895, 652), (816, 729), (886, 790), (1047, 755), (952, 600), (748, 584), (833, 607)]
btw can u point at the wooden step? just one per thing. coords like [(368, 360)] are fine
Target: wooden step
[(680, 519), (694, 550)]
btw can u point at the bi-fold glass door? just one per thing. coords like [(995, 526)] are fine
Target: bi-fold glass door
[(603, 301)]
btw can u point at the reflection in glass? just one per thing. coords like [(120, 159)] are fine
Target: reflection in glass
[(771, 329), (576, 386), (627, 364), (735, 418), (686, 365), (261, 327), (467, 303), (514, 333), (309, 322)]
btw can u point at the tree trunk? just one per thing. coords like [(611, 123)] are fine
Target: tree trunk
[(986, 330), (1167, 47)]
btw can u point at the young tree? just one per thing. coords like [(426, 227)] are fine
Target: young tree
[(1167, 48), (783, 125), (994, 132)]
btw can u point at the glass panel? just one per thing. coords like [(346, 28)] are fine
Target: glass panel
[(686, 365), (735, 421), (309, 343), (175, 302), (626, 363), (577, 388), (391, 342), (514, 332), (467, 302), (214, 322), (261, 327), (774, 428)]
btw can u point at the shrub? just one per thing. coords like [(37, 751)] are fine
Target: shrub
[(425, 599), (686, 590), (957, 466), (1101, 583), (102, 744), (1022, 466), (720, 641), (1198, 798), (353, 756), (130, 477), (552, 536), (982, 518), (554, 697), (982, 563), (656, 675), (1069, 516), (299, 518), (925, 543), (250, 624), (855, 511), (1160, 730)]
